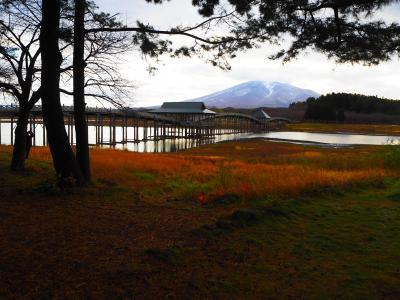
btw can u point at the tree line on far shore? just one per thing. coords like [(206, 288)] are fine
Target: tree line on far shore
[(332, 107)]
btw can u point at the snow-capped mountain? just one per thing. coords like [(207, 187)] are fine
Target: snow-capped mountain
[(253, 94)]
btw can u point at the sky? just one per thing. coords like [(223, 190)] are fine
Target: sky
[(179, 79)]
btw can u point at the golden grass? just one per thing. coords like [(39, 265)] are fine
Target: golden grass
[(245, 169)]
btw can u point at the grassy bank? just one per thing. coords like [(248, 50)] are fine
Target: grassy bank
[(250, 219), (350, 128)]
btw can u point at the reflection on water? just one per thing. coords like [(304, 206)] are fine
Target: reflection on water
[(173, 145)]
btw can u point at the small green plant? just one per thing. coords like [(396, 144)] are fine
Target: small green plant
[(224, 178), (144, 175), (392, 158)]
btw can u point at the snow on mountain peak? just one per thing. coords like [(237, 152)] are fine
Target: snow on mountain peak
[(257, 93), (269, 85)]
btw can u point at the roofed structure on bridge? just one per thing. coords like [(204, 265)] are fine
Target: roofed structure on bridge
[(183, 108), (261, 115)]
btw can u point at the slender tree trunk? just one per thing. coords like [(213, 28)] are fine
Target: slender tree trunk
[(63, 156), (81, 127), (19, 150)]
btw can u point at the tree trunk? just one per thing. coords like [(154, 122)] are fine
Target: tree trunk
[(63, 156), (19, 150), (81, 128)]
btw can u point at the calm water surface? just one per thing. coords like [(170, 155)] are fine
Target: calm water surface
[(330, 138)]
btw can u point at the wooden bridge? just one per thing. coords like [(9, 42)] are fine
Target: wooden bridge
[(126, 125)]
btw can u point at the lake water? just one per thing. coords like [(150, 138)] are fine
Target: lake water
[(329, 138), (173, 145)]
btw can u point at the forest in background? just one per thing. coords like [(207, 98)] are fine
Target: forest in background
[(342, 107)]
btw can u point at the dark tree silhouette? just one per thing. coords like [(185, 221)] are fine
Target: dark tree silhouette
[(82, 139), (63, 157), (19, 56), (114, 44)]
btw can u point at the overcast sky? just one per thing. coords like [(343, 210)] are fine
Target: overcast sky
[(180, 79)]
